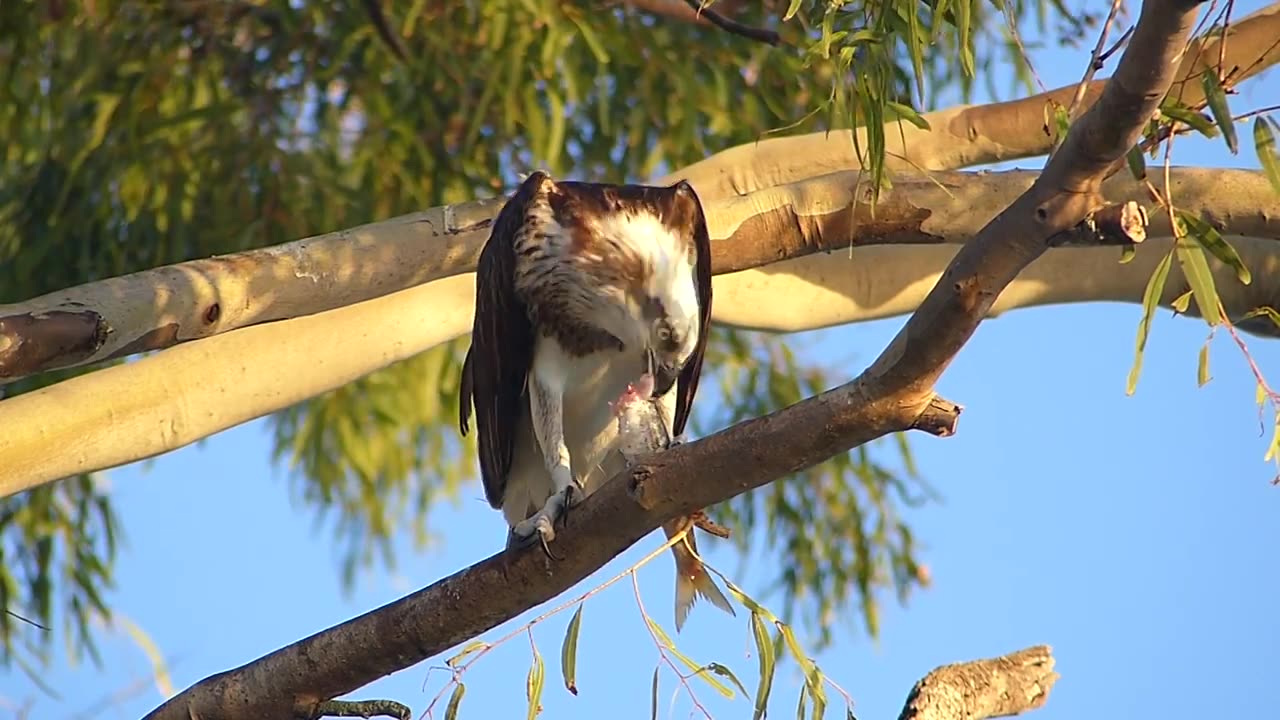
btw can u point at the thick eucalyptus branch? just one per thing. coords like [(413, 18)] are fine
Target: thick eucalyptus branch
[(191, 391), (161, 307), (895, 393)]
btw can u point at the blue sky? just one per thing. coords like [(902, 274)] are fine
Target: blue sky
[(1133, 534)]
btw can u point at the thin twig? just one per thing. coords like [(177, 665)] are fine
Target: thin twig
[(1095, 59), (28, 621), (733, 26), (662, 652), (1104, 57)]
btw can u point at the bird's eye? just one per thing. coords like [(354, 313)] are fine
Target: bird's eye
[(664, 333)]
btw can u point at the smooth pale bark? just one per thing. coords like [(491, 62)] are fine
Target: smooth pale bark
[(161, 307), (176, 397)]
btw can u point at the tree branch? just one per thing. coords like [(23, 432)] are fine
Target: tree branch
[(161, 307), (995, 687), (197, 389), (895, 393), (733, 27)]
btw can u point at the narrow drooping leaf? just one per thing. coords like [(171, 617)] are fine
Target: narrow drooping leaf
[(764, 651), (724, 671), (792, 9), (569, 652), (451, 711), (1202, 371), (1264, 144), (1150, 298), (533, 685), (1137, 165), (1196, 270), (699, 670), (1217, 98), (1209, 237), (1185, 115)]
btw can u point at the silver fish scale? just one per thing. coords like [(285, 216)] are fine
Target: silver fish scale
[(640, 428)]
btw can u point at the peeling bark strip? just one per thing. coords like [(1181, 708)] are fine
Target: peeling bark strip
[(36, 341), (894, 394)]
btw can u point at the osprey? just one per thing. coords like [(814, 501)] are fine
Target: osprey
[(580, 289)]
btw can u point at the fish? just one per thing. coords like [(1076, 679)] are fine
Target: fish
[(642, 430)]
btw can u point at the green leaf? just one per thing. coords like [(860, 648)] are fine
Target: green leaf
[(592, 40), (764, 650), (963, 12), (569, 652), (724, 671), (1127, 253), (1137, 164), (533, 685), (1264, 144), (792, 9), (907, 113), (1202, 372), (1189, 117), (1182, 302), (1150, 297), (800, 707), (1217, 98), (1196, 269), (1212, 240), (451, 711)]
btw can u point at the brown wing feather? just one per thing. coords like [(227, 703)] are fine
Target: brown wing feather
[(501, 352), (687, 384)]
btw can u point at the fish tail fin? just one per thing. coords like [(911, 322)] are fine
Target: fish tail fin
[(692, 580)]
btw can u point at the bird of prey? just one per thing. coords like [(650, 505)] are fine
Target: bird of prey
[(580, 289), (643, 429)]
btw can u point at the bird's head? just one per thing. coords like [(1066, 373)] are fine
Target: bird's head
[(672, 338)]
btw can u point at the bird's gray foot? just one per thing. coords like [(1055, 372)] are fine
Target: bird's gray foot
[(680, 439), (542, 524)]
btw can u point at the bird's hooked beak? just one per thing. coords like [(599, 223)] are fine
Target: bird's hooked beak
[(664, 375)]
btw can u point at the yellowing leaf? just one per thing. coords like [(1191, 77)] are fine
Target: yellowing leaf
[(1202, 372), (533, 684), (473, 646)]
